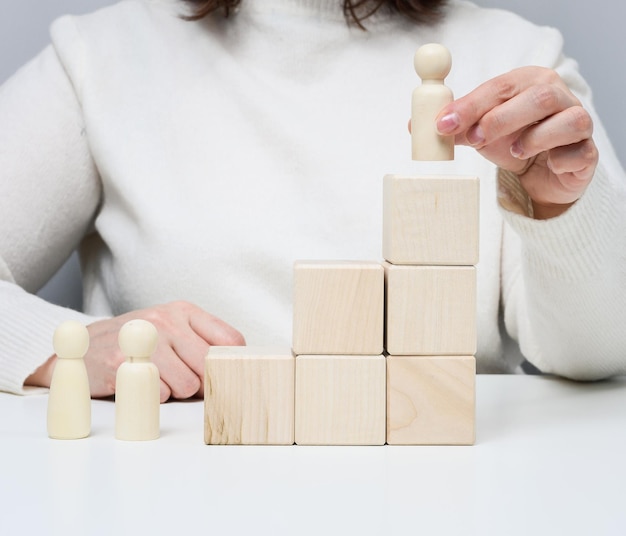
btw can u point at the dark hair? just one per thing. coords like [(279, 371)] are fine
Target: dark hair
[(355, 11)]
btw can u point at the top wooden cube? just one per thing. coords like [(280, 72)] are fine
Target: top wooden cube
[(430, 220), (338, 308)]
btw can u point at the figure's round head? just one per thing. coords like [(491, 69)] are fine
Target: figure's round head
[(432, 62), (70, 340), (138, 338)]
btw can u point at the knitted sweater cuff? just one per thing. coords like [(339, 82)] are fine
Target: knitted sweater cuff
[(575, 245), (26, 338)]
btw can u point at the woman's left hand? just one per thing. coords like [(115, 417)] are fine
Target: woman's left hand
[(528, 121)]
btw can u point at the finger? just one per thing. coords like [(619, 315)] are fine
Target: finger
[(574, 164), (462, 114), (215, 331), (499, 152), (192, 349), (179, 378), (103, 358), (164, 392), (566, 128), (528, 108)]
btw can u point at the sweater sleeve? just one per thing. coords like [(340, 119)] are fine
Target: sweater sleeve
[(564, 279), (50, 194)]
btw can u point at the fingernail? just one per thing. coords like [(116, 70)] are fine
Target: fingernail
[(448, 123), (516, 150), (475, 135)]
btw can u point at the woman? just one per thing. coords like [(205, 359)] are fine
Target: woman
[(193, 158)]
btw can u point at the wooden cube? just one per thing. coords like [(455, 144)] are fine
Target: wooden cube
[(249, 396), (430, 220), (338, 308), (340, 400), (431, 400), (431, 310)]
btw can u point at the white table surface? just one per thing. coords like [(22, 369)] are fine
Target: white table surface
[(550, 458)]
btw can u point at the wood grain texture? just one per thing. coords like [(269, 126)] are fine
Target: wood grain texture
[(430, 220), (69, 401), (249, 396), (431, 400), (431, 310), (340, 400), (338, 308), (137, 400)]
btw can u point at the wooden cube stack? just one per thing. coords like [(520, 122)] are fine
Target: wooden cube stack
[(381, 352), (430, 246), (338, 325), (330, 390)]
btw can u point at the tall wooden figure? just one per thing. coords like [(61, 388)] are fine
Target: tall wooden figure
[(432, 64), (137, 384), (69, 403)]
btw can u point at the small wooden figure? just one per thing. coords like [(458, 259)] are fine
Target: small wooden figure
[(432, 64), (137, 385), (69, 402), (249, 396), (338, 308)]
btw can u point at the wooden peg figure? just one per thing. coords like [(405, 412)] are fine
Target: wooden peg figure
[(137, 384), (69, 402), (432, 64)]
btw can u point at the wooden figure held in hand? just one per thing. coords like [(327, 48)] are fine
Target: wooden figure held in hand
[(432, 64)]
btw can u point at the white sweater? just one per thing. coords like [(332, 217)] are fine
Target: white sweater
[(197, 160)]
